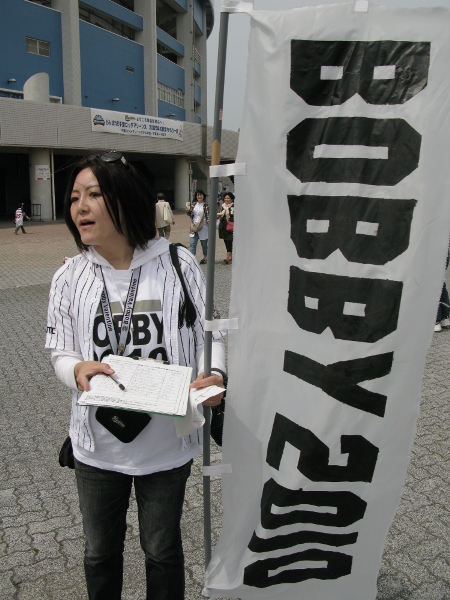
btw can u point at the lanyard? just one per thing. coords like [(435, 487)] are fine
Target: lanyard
[(127, 312)]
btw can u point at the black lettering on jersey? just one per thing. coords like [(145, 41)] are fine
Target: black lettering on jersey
[(159, 327)]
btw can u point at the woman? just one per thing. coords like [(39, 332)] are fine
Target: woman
[(164, 216), (226, 225), (110, 211), (198, 211)]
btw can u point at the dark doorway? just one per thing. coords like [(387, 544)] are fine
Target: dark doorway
[(3, 212)]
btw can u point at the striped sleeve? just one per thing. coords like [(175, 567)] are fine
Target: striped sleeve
[(61, 332)]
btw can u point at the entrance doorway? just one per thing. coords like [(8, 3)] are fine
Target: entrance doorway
[(3, 209)]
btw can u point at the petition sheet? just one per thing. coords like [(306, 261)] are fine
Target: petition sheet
[(149, 386)]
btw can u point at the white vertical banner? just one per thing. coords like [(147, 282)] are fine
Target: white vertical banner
[(235, 6), (341, 233)]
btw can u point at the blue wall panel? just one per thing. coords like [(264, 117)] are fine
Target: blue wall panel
[(169, 41), (197, 93), (183, 4), (170, 74), (18, 20), (165, 109), (198, 14), (104, 58)]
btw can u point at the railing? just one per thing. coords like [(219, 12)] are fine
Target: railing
[(197, 56)]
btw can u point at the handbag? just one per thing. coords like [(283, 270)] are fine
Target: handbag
[(125, 425), (66, 458), (230, 226), (218, 412), (195, 227), (217, 419), (167, 214)]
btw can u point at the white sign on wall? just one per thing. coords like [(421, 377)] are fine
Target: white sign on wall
[(109, 121), (341, 234), (42, 172)]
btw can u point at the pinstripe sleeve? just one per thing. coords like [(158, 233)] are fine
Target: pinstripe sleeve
[(61, 333)]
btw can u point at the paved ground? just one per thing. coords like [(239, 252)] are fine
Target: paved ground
[(41, 540)]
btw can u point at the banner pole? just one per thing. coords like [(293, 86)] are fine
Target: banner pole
[(209, 308)]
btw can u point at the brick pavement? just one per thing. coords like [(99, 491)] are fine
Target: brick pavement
[(41, 540)]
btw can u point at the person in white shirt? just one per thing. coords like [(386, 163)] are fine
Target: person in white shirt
[(123, 267), (19, 217), (164, 216), (199, 213)]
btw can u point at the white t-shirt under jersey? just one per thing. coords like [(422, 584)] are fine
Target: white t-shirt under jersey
[(156, 448)]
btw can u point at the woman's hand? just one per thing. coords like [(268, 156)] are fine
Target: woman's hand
[(86, 369), (202, 382)]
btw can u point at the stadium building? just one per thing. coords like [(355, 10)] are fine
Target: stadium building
[(128, 75)]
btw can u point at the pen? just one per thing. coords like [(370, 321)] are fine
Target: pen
[(114, 378)]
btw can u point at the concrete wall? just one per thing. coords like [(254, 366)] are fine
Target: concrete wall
[(26, 124)]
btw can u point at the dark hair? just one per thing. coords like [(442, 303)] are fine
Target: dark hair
[(229, 194), (129, 198), (201, 192), (160, 196)]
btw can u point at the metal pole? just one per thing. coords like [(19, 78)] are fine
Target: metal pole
[(52, 168), (215, 160)]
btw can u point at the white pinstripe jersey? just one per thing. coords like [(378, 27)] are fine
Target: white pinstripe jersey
[(74, 299)]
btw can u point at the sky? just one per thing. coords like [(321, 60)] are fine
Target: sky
[(237, 54)]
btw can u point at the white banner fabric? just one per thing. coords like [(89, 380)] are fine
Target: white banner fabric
[(110, 121), (235, 6), (341, 232)]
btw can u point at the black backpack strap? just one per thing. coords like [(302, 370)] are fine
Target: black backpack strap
[(188, 312)]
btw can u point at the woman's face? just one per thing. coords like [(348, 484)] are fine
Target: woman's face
[(90, 215), (227, 199), (200, 197)]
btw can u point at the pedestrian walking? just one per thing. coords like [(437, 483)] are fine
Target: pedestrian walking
[(19, 217), (164, 216), (199, 213), (226, 225), (124, 269)]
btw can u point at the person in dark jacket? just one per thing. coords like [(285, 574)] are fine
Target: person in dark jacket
[(226, 225)]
